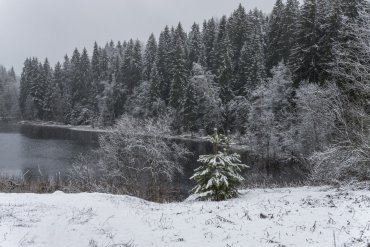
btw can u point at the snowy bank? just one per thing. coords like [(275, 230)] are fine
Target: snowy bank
[(275, 217)]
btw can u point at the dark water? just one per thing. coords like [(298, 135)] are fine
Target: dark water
[(20, 154)]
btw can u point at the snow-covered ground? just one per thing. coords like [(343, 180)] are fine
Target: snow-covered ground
[(304, 216)]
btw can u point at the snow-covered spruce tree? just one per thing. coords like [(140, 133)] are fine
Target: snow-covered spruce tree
[(238, 30), (305, 55), (9, 94), (179, 69), (163, 64), (208, 36), (290, 22), (251, 72), (218, 176), (275, 39), (149, 57), (194, 45)]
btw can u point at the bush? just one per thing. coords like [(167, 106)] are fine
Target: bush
[(347, 157), (135, 158)]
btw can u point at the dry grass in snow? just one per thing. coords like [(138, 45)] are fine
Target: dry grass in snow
[(306, 216)]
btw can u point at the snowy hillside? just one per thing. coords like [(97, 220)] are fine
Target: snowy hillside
[(274, 217)]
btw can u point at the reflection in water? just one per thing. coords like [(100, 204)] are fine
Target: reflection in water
[(36, 157)]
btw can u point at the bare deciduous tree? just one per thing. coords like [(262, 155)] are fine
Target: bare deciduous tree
[(136, 157)]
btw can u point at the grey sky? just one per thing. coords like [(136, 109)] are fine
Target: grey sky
[(52, 28)]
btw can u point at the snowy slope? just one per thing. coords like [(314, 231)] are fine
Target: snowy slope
[(276, 217)]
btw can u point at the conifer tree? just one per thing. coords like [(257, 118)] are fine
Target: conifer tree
[(11, 74), (58, 78), (330, 15), (104, 65), (67, 91), (225, 72), (24, 87), (47, 81), (99, 73), (194, 45), (218, 176), (221, 45), (252, 60), (37, 87), (86, 89), (121, 91), (95, 63), (238, 28), (275, 40), (179, 35), (8, 93), (129, 76), (136, 63), (189, 111), (114, 70), (352, 50), (208, 35), (290, 29), (149, 57), (82, 97), (155, 80), (179, 69), (75, 80), (120, 48), (59, 99), (163, 63), (305, 57)]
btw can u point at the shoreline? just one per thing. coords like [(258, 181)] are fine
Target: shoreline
[(260, 170), (50, 130), (89, 128)]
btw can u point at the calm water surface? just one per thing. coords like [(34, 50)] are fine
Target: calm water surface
[(47, 157)]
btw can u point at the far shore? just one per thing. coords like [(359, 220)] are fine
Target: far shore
[(65, 126)]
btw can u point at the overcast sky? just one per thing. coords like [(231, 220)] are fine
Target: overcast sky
[(52, 28)]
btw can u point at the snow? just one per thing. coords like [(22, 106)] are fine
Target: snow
[(306, 216)]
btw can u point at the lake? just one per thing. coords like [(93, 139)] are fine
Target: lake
[(20, 154), (47, 150)]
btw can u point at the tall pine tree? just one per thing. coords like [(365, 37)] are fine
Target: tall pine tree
[(194, 44), (305, 57), (275, 35), (209, 34), (238, 28), (179, 69), (149, 57), (290, 29), (163, 63)]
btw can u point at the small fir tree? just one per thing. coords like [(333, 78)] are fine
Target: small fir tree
[(218, 176)]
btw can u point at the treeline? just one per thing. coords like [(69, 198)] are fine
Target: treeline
[(294, 83), (226, 57), (9, 87)]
